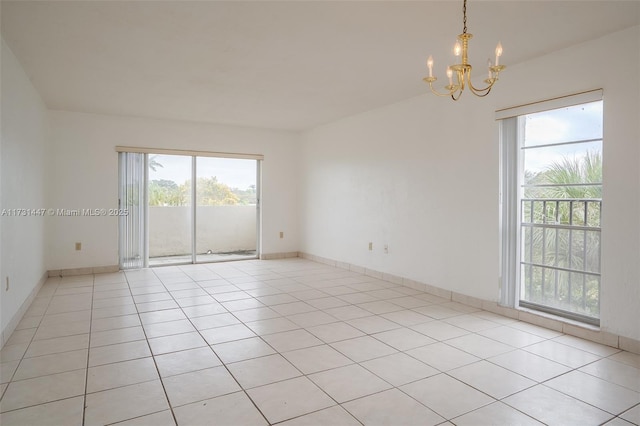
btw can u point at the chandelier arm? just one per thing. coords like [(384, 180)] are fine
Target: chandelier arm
[(479, 92), (435, 92)]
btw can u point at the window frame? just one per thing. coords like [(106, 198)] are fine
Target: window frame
[(511, 140)]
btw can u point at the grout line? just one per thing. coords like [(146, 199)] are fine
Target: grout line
[(86, 378)]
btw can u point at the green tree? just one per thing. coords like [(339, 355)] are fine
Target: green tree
[(246, 196), (210, 192), (164, 192)]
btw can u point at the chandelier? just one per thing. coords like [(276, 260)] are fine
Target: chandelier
[(462, 71)]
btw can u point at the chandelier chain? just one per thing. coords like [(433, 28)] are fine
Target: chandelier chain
[(464, 15)]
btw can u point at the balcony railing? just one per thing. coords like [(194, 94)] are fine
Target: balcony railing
[(560, 256)]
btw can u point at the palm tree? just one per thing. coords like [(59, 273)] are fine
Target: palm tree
[(153, 164)]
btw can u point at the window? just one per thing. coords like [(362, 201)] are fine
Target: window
[(552, 157)]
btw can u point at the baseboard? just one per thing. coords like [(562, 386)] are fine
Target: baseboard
[(283, 255), (17, 317), (540, 319), (83, 271)]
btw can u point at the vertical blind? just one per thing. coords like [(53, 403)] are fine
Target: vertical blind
[(131, 198)]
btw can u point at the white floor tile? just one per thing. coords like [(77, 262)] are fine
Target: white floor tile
[(442, 356), (51, 364), (615, 372), (363, 348), (124, 403), (262, 371), (242, 349), (213, 321), (446, 396), (563, 354), (177, 342), (120, 374), (228, 333), (511, 336), (168, 328), (479, 346), (291, 340), (233, 409), (161, 418), (335, 332), (471, 323), (632, 415), (186, 361), (597, 392), (26, 393), (119, 352), (64, 412), (403, 339), (552, 407), (440, 330), (585, 345), (407, 318), (335, 416), (270, 326), (199, 385), (373, 324), (316, 358), (529, 365), (491, 379), (290, 398), (399, 369), (494, 415), (349, 382), (392, 407)]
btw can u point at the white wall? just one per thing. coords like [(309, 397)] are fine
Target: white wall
[(414, 176), (23, 158), (85, 175)]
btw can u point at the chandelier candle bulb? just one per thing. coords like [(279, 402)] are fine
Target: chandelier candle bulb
[(450, 75), (457, 49), (489, 67), (498, 53), (430, 65)]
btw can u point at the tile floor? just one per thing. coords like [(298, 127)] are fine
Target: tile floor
[(294, 342)]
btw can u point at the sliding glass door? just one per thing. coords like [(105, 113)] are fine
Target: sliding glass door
[(187, 209), (226, 209), (169, 209)]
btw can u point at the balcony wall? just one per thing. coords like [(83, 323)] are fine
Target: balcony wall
[(219, 229)]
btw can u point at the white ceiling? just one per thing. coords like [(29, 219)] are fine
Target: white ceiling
[(284, 65)]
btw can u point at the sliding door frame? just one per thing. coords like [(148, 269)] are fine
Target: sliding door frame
[(145, 197)]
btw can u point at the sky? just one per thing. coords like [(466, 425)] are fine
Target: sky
[(580, 122), (236, 173)]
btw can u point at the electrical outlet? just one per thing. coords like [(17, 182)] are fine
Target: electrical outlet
[(78, 246), (370, 246), (7, 288), (281, 234)]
